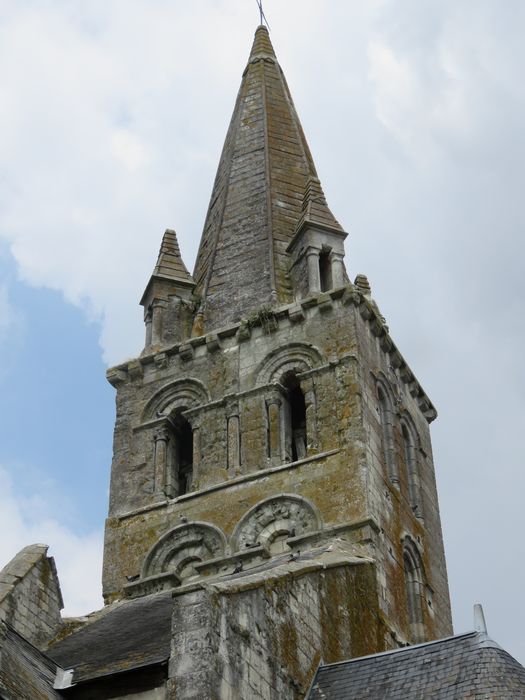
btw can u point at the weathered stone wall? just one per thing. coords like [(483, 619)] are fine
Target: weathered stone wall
[(263, 637), (30, 597), (389, 500), (227, 385)]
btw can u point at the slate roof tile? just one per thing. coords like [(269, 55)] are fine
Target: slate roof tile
[(133, 634), (25, 672), (465, 666)]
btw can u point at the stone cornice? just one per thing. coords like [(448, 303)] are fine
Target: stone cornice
[(294, 313)]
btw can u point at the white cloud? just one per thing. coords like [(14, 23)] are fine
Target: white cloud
[(31, 519), (8, 315)]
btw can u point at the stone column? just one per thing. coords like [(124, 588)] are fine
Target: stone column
[(338, 275), (273, 408), (234, 438), (161, 477), (148, 328), (157, 321), (307, 387), (314, 277), (195, 480)]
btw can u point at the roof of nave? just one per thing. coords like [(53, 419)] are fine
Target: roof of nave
[(25, 672), (129, 635)]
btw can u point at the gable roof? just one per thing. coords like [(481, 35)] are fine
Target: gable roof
[(257, 198), (24, 671), (466, 666), (131, 635)]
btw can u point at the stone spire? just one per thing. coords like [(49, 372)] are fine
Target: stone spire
[(257, 199)]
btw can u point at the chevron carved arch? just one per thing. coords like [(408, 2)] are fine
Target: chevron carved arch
[(180, 549), (287, 515)]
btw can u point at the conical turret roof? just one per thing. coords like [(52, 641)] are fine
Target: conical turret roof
[(169, 273), (258, 197), (169, 263)]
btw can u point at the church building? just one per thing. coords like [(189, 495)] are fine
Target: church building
[(273, 529)]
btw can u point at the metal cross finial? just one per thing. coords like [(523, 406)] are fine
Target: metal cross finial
[(261, 12)]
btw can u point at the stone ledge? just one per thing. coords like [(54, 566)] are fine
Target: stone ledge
[(152, 584), (322, 557), (254, 476)]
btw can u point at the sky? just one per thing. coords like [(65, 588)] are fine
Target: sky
[(112, 121)]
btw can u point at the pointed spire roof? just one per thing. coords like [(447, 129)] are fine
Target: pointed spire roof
[(169, 263), (170, 272), (258, 197), (315, 209)]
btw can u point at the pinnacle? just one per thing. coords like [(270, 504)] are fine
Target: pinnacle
[(262, 45), (315, 207), (170, 263)]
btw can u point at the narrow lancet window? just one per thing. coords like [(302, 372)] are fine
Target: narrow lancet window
[(184, 440), (180, 472), (386, 418), (294, 416), (325, 270)]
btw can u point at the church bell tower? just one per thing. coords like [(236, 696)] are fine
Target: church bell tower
[(272, 459)]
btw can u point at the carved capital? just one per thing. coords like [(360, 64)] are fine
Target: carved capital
[(231, 406), (162, 434), (274, 401)]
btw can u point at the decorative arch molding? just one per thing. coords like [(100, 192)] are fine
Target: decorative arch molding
[(412, 550), (287, 515), (293, 357), (183, 393), (411, 445), (415, 582), (179, 549), (406, 420), (385, 404), (383, 383)]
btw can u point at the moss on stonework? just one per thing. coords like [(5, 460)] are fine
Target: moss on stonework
[(264, 317)]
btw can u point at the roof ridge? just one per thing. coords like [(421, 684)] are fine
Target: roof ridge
[(407, 648)]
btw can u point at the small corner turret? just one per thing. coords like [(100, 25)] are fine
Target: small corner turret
[(167, 299), (317, 246)]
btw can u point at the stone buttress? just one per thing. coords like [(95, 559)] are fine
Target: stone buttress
[(272, 459)]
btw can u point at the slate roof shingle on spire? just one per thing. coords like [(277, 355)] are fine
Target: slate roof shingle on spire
[(257, 199)]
